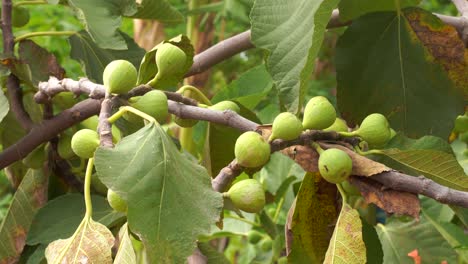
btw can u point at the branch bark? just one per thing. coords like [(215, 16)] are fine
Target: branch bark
[(462, 7)]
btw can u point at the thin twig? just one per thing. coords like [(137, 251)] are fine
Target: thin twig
[(104, 127)]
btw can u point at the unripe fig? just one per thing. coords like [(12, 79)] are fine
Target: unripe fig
[(93, 122), (335, 165), (464, 137), (375, 130), (20, 16), (84, 143), (253, 236), (169, 59), (461, 124), (339, 126), (64, 148), (247, 195), (319, 113), (116, 202), (119, 77), (64, 100), (36, 158), (153, 103), (225, 105), (350, 189), (251, 150), (392, 133), (185, 122), (266, 244), (286, 126)]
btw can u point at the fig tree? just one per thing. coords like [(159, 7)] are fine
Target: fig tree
[(153, 103), (84, 143), (251, 150), (319, 113), (335, 165), (116, 202), (247, 195), (286, 126), (119, 77)]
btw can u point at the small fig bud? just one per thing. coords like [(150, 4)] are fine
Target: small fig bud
[(169, 59), (375, 130), (251, 150), (225, 105), (339, 126), (20, 16), (153, 103), (36, 158), (319, 113), (253, 236), (116, 202), (119, 77), (185, 122), (64, 148), (286, 126), (247, 195), (84, 143), (335, 165)]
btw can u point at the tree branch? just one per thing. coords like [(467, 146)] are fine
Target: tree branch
[(104, 127), (462, 7), (14, 91)]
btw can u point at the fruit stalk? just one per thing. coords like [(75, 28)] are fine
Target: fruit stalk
[(44, 33), (87, 188), (125, 109)]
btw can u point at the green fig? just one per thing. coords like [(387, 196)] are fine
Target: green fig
[(170, 59), (349, 188), (319, 113), (93, 122), (20, 16), (64, 100), (185, 122), (36, 158), (339, 126), (247, 195), (286, 126), (461, 124), (116, 202), (253, 236), (119, 77), (225, 105), (251, 150), (84, 143), (375, 130), (266, 244), (464, 137), (153, 103), (392, 133), (64, 148), (335, 165)]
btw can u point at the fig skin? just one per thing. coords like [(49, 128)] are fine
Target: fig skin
[(335, 165), (169, 59), (116, 202), (339, 126), (251, 150), (64, 148), (375, 130), (153, 103), (93, 122), (20, 16), (225, 105), (319, 114), (286, 126), (247, 195), (119, 77), (253, 236), (84, 143)]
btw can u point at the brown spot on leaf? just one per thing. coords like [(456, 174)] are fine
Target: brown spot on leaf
[(391, 201)]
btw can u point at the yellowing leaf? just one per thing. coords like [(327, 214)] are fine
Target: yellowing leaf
[(125, 253), (91, 243)]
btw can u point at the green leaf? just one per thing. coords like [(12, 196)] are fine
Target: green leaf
[(435, 165), (94, 59), (453, 234), (383, 59), (346, 244), (212, 255), (60, 217), (400, 238), (92, 242), (249, 89), (313, 214), (371, 240), (103, 19), (29, 197), (160, 10), (170, 199), (148, 68), (293, 40), (462, 214), (221, 142), (4, 106), (427, 142), (125, 252), (352, 9)]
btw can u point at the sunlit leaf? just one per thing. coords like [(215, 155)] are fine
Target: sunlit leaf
[(4, 106), (160, 10), (351, 9), (125, 252)]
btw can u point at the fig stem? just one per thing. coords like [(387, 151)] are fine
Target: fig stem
[(195, 90), (343, 193), (44, 33), (32, 2), (278, 210), (137, 112), (348, 134), (243, 220), (369, 152), (317, 147), (87, 188)]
